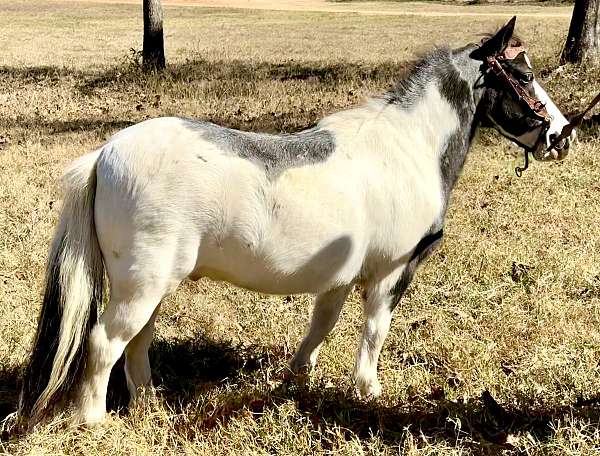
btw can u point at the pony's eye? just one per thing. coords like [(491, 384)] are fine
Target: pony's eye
[(526, 78)]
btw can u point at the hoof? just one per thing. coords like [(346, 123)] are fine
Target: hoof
[(368, 389), (301, 367)]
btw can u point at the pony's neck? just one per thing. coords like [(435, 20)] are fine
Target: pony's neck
[(454, 74), (457, 87)]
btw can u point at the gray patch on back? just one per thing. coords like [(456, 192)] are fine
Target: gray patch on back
[(275, 153)]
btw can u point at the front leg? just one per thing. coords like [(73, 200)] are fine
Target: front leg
[(377, 308), (379, 301)]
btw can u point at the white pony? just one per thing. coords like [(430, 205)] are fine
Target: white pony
[(358, 199)]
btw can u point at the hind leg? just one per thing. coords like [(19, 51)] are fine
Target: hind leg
[(137, 363), (122, 320), (325, 314)]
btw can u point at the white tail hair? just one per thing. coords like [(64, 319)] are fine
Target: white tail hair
[(74, 286)]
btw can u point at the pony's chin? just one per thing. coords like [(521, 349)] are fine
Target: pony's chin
[(541, 154)]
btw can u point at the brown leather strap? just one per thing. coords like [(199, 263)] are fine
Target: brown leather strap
[(536, 106)]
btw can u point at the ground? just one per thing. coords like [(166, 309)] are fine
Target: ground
[(494, 349), (386, 8)]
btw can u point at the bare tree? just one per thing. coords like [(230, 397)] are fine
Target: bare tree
[(154, 47), (583, 41)]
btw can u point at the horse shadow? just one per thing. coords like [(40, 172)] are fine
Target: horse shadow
[(183, 371)]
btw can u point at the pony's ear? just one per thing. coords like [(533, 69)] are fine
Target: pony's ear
[(497, 43)]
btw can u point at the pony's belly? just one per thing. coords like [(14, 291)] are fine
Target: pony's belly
[(281, 270), (262, 281)]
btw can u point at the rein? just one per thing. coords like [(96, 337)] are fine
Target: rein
[(575, 122)]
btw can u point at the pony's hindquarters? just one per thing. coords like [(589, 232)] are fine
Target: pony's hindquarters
[(146, 255), (74, 282)]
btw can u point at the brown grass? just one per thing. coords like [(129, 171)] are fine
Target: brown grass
[(510, 305)]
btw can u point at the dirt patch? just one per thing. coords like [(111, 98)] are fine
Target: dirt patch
[(369, 8)]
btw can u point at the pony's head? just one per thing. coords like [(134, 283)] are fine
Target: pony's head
[(513, 101)]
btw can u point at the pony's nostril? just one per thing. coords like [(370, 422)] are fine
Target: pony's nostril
[(563, 144)]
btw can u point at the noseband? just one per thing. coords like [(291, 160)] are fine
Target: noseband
[(535, 106)]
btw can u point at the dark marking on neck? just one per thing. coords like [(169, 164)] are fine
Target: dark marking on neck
[(455, 89)]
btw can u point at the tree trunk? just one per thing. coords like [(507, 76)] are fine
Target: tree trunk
[(583, 41), (154, 48)]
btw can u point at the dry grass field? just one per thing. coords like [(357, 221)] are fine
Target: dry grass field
[(494, 350)]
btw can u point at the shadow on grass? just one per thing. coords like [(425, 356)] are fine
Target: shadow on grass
[(9, 390), (226, 74), (37, 74), (64, 126), (183, 371), (225, 80), (235, 71), (481, 422)]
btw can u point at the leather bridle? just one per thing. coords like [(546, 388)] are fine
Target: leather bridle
[(535, 106), (494, 63), (532, 104)]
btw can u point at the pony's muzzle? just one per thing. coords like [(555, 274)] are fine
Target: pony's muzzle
[(560, 150)]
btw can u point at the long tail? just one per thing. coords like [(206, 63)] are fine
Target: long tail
[(74, 285)]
